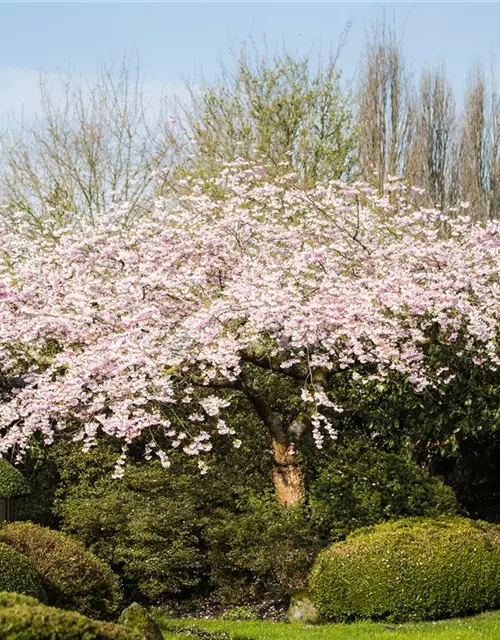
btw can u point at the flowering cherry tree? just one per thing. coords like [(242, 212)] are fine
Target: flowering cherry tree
[(228, 288)]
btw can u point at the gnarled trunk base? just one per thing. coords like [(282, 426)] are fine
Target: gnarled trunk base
[(288, 476)]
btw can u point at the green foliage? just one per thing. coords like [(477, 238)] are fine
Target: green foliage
[(260, 549), (12, 482), (410, 570), (73, 577), (239, 613), (473, 470), (175, 534), (149, 525), (359, 485), (18, 574), (145, 526), (282, 108), (23, 618), (43, 478)]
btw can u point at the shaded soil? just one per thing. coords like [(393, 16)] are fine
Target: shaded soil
[(211, 608)]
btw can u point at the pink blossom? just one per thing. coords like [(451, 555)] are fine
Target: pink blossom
[(116, 325)]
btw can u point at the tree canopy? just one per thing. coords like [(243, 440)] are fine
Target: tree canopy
[(242, 287)]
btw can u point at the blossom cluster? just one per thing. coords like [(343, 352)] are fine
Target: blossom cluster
[(113, 326)]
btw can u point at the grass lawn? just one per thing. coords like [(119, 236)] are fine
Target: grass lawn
[(485, 626)]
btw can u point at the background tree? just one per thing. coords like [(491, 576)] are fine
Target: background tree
[(480, 146), (285, 108), (430, 154), (473, 143), (384, 110), (102, 143)]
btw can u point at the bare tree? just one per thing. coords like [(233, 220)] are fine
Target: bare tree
[(480, 146), (101, 143), (473, 144), (430, 157), (494, 153), (385, 118)]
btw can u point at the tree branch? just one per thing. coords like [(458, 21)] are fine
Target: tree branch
[(266, 362), (272, 420)]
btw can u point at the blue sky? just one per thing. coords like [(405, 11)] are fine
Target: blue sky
[(176, 40)]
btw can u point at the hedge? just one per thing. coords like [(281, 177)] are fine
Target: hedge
[(73, 577), (23, 618), (18, 574), (413, 569)]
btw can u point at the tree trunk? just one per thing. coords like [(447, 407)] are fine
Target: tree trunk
[(288, 476)]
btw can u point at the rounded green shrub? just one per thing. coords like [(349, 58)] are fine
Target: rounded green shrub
[(12, 482), (73, 577), (23, 618), (414, 569), (18, 574)]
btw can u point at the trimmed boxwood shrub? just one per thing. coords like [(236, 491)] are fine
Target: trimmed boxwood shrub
[(414, 569), (18, 574), (23, 618), (73, 577)]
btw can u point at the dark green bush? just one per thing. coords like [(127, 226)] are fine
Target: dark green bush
[(360, 485), (23, 618), (145, 526), (150, 526), (473, 470), (260, 550), (72, 577), (12, 482), (172, 534), (18, 574), (414, 569)]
